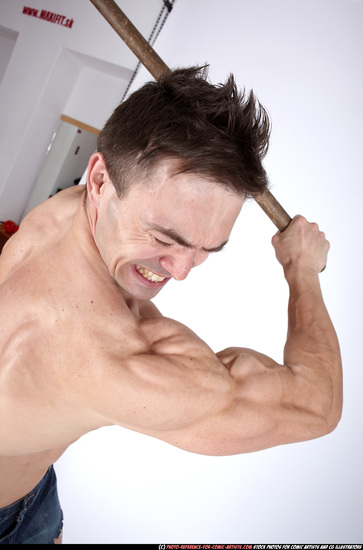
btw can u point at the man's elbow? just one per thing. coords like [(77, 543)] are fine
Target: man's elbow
[(334, 417), (326, 401), (335, 409), (328, 420)]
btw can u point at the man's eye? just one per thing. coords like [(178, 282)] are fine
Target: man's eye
[(162, 243)]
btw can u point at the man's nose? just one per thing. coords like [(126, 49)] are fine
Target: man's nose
[(180, 263)]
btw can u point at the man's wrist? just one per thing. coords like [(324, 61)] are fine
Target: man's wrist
[(295, 272)]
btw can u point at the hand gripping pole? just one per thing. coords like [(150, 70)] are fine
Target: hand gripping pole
[(156, 66)]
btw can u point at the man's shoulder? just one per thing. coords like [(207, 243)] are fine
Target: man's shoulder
[(43, 226)]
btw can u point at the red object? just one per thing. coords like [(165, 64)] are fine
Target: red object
[(9, 226)]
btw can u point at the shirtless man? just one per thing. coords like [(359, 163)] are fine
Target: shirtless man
[(84, 347)]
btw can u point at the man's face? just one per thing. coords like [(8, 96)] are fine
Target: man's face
[(162, 228)]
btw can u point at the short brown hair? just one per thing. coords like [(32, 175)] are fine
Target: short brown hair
[(211, 130)]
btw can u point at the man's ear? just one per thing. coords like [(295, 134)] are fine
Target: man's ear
[(97, 176)]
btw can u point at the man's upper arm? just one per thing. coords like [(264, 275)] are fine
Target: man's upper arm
[(237, 401)]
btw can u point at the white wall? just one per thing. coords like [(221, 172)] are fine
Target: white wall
[(55, 70), (303, 59), (7, 43)]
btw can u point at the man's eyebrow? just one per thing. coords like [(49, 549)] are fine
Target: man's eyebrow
[(216, 248), (180, 240)]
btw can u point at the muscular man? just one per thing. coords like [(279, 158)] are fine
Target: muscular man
[(83, 346)]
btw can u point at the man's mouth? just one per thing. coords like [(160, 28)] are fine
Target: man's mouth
[(149, 275)]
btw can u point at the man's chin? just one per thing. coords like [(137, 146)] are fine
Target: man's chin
[(141, 292)]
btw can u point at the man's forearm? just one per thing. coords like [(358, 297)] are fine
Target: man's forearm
[(312, 348)]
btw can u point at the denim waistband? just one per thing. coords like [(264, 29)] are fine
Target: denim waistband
[(35, 518), (13, 508)]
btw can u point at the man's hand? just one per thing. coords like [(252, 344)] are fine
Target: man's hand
[(301, 245)]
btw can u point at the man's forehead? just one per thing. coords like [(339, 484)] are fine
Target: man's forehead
[(170, 171), (186, 208)]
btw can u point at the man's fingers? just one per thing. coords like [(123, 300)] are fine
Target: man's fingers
[(303, 244)]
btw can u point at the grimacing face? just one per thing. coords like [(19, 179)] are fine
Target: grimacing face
[(161, 229)]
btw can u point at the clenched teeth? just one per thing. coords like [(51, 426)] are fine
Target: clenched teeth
[(149, 275)]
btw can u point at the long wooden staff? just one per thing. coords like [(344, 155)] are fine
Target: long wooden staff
[(156, 66)]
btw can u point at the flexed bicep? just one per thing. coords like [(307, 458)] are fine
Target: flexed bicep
[(177, 390)]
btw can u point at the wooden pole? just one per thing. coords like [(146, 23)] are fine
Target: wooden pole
[(156, 66), (131, 36), (273, 209)]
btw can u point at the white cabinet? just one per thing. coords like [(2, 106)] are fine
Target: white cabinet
[(66, 160)]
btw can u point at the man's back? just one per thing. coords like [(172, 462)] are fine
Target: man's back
[(70, 350), (51, 341)]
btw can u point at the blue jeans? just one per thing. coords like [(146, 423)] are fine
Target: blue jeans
[(35, 519)]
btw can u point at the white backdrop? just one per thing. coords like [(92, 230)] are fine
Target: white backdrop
[(304, 61)]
